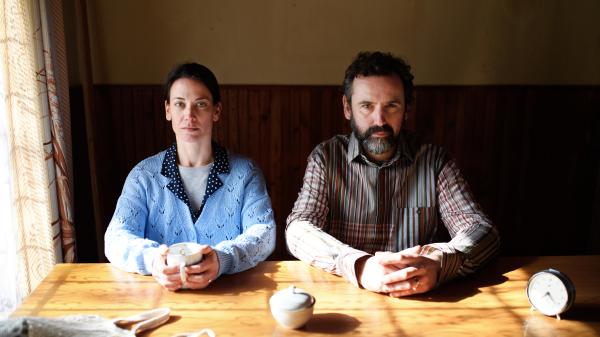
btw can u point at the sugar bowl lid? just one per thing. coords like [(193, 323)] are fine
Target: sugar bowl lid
[(292, 299)]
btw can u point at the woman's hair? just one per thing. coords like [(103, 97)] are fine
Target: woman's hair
[(193, 71), (378, 64)]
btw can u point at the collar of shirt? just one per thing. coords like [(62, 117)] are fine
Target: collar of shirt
[(355, 151), (170, 170)]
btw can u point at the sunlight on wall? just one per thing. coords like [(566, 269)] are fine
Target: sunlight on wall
[(462, 42)]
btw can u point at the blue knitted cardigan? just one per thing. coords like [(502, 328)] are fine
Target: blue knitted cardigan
[(235, 218)]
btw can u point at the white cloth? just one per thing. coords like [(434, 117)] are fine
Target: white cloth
[(87, 325), (67, 326)]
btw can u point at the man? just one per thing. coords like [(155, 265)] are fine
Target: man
[(369, 205)]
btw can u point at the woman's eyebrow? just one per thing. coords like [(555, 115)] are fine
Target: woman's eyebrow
[(197, 99)]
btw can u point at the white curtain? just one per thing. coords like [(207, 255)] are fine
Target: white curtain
[(35, 149), (9, 282)]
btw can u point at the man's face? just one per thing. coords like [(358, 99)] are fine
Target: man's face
[(377, 113)]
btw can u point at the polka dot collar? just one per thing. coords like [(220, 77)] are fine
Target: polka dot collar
[(171, 171)]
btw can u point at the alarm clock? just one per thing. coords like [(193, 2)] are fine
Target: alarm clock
[(550, 292)]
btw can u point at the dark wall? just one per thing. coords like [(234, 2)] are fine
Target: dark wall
[(530, 154)]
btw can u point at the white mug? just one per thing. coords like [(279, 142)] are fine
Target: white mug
[(184, 254)]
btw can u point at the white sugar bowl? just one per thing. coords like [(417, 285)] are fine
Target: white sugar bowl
[(292, 307)]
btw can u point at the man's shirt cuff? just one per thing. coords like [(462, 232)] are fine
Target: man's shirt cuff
[(347, 263), (451, 260)]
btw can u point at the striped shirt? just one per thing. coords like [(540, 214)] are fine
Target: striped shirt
[(349, 207)]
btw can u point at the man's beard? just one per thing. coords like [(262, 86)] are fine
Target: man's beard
[(375, 145)]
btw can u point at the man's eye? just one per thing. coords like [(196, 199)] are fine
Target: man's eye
[(366, 106)]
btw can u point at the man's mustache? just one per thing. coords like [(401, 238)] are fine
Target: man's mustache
[(377, 128)]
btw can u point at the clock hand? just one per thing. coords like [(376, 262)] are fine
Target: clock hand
[(550, 302)]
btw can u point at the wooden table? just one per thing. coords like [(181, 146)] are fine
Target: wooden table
[(490, 303)]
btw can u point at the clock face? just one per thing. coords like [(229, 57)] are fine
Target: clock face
[(547, 294)]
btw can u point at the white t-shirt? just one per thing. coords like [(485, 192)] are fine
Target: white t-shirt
[(194, 183)]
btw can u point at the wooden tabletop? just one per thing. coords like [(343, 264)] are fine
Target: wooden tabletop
[(492, 302)]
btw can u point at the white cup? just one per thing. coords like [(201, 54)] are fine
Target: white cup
[(184, 254)]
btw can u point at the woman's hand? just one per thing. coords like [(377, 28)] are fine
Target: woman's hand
[(202, 274), (168, 277)]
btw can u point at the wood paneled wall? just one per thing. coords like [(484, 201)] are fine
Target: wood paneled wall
[(530, 154)]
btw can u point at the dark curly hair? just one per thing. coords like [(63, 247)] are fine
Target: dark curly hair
[(379, 64), (193, 71)]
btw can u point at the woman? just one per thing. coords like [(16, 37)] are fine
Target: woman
[(196, 191)]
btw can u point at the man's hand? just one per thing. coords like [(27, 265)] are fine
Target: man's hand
[(370, 272), (202, 274), (168, 277), (416, 274)]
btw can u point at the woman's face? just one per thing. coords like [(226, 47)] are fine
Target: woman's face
[(191, 111)]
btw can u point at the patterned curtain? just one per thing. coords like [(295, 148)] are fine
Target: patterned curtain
[(33, 61)]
